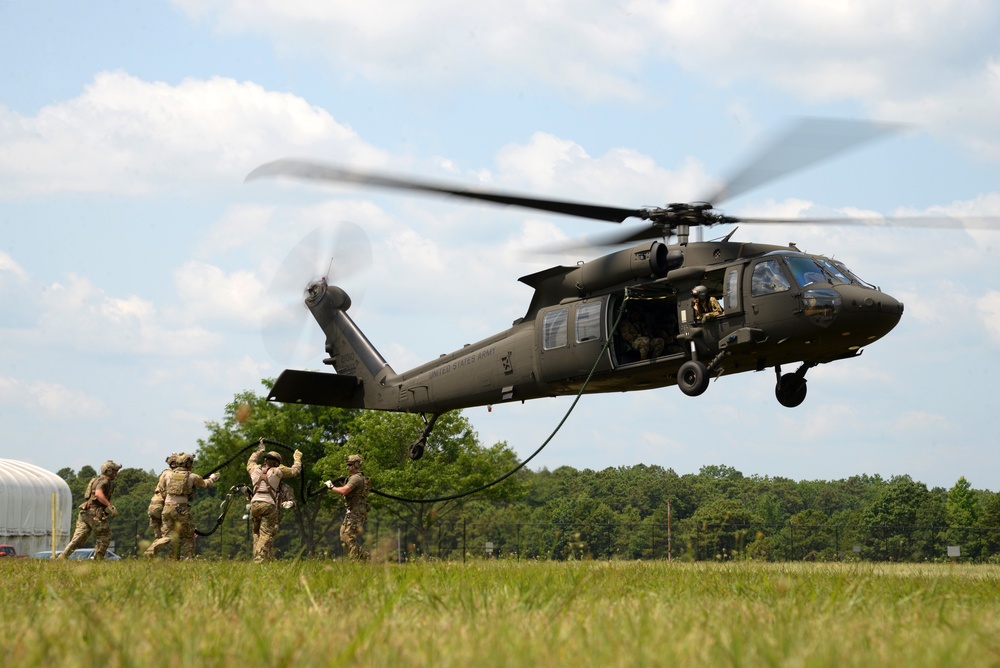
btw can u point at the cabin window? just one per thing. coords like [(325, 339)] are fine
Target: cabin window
[(768, 278), (554, 329), (588, 322), (731, 296)]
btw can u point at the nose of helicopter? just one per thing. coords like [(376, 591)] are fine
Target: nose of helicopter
[(867, 314)]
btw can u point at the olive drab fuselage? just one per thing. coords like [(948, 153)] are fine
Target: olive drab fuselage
[(781, 306)]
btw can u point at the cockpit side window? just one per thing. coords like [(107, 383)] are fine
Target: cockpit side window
[(731, 295), (768, 278)]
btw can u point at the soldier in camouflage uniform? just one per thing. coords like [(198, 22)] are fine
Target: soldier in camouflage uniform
[(705, 306), (96, 512), (633, 333), (155, 510), (178, 525), (265, 502), (355, 492)]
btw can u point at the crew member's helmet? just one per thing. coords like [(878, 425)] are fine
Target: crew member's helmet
[(276, 456), (699, 292), (109, 467), (354, 459)]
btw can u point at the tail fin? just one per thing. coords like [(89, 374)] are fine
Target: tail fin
[(360, 368)]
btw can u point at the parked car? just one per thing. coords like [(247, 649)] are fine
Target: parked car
[(82, 553), (7, 551)]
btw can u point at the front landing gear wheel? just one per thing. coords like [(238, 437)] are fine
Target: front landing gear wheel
[(692, 378), (790, 390), (416, 450)]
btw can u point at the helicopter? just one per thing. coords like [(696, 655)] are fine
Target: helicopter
[(663, 311)]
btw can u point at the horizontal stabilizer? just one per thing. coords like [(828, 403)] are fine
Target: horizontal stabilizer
[(320, 389)]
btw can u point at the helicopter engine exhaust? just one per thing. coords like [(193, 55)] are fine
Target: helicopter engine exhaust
[(645, 261)]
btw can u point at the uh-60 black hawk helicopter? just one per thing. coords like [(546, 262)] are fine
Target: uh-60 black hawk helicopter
[(779, 306)]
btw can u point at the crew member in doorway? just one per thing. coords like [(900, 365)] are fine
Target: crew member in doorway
[(705, 306)]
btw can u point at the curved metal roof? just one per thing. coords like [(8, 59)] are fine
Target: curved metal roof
[(26, 496)]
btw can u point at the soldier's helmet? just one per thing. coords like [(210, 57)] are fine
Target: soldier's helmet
[(276, 456), (172, 460), (185, 460), (700, 292), (354, 459), (109, 467)]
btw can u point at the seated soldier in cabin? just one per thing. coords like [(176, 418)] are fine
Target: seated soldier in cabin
[(635, 334)]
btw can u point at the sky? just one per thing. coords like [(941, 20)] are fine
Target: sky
[(137, 267)]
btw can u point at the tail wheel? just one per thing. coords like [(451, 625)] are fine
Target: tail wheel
[(692, 378), (416, 450)]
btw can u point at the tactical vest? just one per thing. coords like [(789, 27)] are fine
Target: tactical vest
[(177, 484), (357, 499), (88, 494), (263, 486)]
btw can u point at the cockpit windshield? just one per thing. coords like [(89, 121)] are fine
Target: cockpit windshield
[(854, 277), (807, 271)]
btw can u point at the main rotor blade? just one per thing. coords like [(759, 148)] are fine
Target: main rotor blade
[(636, 234), (806, 143), (912, 222), (320, 172)]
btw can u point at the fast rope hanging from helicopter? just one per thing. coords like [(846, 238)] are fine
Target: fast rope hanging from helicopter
[(242, 490), (576, 400)]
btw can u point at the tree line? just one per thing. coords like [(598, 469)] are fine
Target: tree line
[(628, 512)]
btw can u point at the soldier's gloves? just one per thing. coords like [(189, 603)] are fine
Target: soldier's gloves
[(287, 505), (297, 455), (112, 511), (260, 447), (214, 477), (329, 484)]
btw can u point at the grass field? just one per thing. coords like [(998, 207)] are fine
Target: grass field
[(497, 613)]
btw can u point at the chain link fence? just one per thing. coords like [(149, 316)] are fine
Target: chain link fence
[(690, 541)]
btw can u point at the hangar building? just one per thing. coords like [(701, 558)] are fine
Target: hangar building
[(26, 493)]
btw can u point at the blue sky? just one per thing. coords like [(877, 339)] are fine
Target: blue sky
[(135, 265)]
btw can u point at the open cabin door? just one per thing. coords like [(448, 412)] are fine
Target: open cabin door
[(649, 325)]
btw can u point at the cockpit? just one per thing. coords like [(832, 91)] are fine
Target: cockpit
[(768, 276)]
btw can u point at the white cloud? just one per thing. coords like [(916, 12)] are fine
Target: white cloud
[(52, 400), (988, 308), (451, 40), (209, 294), (547, 162), (127, 136), (928, 61), (10, 269), (80, 316)]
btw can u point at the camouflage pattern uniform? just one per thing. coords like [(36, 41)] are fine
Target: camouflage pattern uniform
[(178, 525), (705, 306), (155, 510), (95, 516), (356, 501), (632, 333), (265, 504)]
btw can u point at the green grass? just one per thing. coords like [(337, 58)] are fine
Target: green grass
[(497, 613)]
